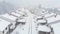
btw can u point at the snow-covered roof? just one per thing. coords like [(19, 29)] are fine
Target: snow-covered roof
[(3, 24), (9, 17), (49, 15), (37, 17), (56, 28), (20, 12), (22, 19), (53, 19), (44, 28), (15, 14), (41, 21)]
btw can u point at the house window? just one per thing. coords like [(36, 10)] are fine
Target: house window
[(6, 29)]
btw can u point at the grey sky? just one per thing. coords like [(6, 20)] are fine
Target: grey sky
[(45, 3)]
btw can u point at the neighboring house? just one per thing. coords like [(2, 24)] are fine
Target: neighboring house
[(12, 19), (4, 26)]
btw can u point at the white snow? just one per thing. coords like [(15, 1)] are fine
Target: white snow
[(53, 19), (16, 14), (56, 26), (9, 17), (41, 21), (3, 24), (44, 28), (30, 25)]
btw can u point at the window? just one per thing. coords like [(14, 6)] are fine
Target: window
[(6, 28)]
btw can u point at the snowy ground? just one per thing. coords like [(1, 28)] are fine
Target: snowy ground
[(26, 29)]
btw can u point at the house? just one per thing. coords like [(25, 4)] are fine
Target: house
[(4, 26)]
